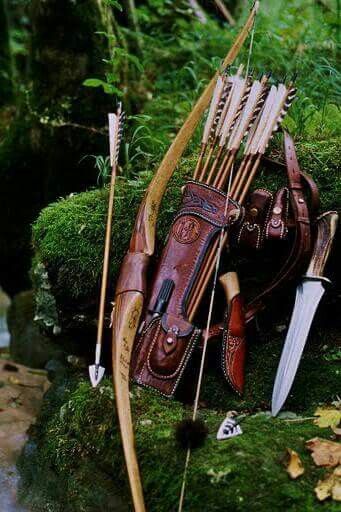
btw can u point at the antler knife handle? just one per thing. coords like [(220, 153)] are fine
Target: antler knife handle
[(230, 284), (326, 228)]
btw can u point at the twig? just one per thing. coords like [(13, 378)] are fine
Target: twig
[(297, 420), (198, 11), (92, 129), (225, 12)]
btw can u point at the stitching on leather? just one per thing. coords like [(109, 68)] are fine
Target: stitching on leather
[(155, 374), (208, 187), (226, 335), (250, 227), (267, 217), (230, 221), (192, 343)]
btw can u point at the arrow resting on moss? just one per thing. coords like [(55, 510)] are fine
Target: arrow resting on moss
[(96, 371)]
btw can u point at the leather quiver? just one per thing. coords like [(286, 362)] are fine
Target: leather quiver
[(166, 338), (233, 352)]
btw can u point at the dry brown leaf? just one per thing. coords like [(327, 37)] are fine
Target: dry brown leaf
[(294, 465), (337, 431), (324, 452), (336, 490), (330, 486), (14, 380), (327, 417)]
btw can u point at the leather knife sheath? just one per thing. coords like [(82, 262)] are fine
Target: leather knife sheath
[(233, 352)]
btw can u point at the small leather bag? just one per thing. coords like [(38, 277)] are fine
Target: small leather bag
[(276, 227), (167, 338), (252, 230)]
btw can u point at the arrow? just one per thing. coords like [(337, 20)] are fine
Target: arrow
[(96, 371)]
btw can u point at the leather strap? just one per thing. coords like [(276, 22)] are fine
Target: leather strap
[(302, 243), (310, 184), (314, 194)]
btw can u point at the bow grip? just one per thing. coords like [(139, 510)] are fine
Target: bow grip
[(133, 274)]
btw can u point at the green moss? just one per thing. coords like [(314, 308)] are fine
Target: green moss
[(316, 381), (77, 435), (68, 237)]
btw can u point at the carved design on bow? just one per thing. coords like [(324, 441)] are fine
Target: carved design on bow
[(131, 287)]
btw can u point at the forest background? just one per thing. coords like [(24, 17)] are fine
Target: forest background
[(64, 64)]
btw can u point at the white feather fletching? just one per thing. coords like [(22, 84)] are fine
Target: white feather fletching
[(213, 108), (113, 130), (256, 131), (237, 96), (242, 125), (273, 118)]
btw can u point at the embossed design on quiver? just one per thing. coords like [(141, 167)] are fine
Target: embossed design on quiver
[(167, 338)]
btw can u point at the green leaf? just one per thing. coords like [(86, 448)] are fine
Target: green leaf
[(114, 3), (93, 82), (107, 87)]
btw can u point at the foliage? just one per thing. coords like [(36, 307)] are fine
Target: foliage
[(77, 435), (180, 53), (70, 243)]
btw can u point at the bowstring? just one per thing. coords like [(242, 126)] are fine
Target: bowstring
[(252, 35), (210, 311)]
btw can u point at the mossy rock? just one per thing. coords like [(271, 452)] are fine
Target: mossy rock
[(31, 343), (68, 236), (68, 239), (77, 435), (29, 346)]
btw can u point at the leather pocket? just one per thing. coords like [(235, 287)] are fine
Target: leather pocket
[(162, 353), (277, 223), (251, 232)]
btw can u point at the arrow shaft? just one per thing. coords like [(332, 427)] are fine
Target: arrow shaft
[(106, 257)]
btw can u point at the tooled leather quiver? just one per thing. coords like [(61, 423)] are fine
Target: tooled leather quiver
[(166, 337)]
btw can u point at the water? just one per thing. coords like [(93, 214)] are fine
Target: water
[(4, 305), (12, 434), (9, 479)]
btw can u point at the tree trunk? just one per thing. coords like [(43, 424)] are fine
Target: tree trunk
[(60, 122), (5, 56)]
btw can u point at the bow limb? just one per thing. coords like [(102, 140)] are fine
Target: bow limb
[(131, 288), (128, 308)]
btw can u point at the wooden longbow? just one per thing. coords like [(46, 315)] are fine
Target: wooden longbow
[(131, 286)]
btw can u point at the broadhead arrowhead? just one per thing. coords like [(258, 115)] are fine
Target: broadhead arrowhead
[(96, 374), (229, 428)]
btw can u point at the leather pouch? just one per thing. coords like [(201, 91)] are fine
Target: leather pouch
[(277, 222), (251, 231), (167, 339)]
